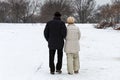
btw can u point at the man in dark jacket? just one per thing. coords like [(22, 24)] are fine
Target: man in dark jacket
[(55, 32)]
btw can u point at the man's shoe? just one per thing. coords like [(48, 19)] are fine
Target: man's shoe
[(52, 73), (59, 71)]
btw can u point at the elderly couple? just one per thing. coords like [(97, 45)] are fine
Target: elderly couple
[(55, 33)]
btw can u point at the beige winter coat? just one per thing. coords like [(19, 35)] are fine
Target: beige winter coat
[(72, 39)]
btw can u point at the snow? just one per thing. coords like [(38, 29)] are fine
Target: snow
[(24, 54)]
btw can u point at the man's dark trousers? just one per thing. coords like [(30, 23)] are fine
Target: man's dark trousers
[(52, 57)]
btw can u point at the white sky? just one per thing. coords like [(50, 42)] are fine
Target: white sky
[(98, 2), (101, 2)]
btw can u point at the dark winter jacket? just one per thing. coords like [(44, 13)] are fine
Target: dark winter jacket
[(55, 32)]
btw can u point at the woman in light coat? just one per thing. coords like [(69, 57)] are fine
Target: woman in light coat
[(72, 46)]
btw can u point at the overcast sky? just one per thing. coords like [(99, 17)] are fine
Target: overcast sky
[(98, 2), (101, 2)]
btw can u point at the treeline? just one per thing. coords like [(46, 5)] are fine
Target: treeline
[(18, 11), (35, 11), (109, 12)]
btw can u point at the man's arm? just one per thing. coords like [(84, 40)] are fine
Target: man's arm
[(64, 30), (46, 32)]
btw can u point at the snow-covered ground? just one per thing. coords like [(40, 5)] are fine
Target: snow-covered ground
[(24, 54)]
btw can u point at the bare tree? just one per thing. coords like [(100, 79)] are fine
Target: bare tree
[(22, 10), (115, 8), (110, 12), (4, 11), (106, 12), (51, 6), (84, 9)]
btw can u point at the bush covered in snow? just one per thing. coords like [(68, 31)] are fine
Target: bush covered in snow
[(104, 25)]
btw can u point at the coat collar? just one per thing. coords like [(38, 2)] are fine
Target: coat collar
[(71, 24), (57, 18)]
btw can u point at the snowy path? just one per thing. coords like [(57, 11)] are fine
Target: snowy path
[(23, 49)]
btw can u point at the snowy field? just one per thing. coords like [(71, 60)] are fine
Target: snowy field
[(24, 54)]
